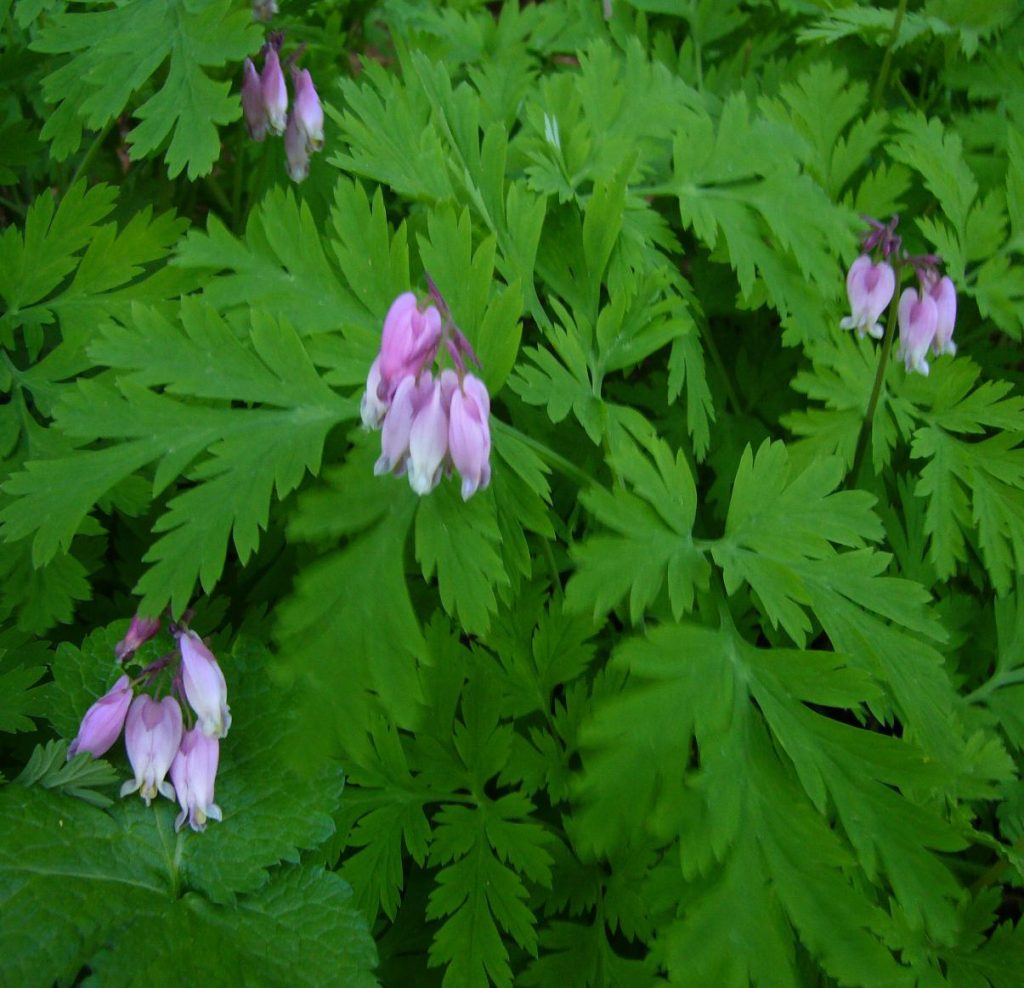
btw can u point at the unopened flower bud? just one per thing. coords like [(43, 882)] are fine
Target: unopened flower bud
[(296, 151), (469, 434), (870, 288), (139, 632), (204, 685), (428, 443), (275, 92), (918, 315), (152, 735), (103, 721), (308, 113), (193, 772), (943, 293), (252, 102)]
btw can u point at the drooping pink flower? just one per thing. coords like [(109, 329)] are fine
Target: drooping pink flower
[(152, 735), (870, 288), (193, 772), (275, 92), (469, 434), (252, 102), (918, 315), (308, 112), (139, 632), (204, 685), (372, 408), (411, 396), (103, 721), (296, 152), (943, 293), (428, 443), (408, 343)]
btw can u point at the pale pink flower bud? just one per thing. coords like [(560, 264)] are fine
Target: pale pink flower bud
[(152, 734), (103, 721), (943, 293), (428, 443), (918, 316), (275, 92), (410, 398), (308, 113), (296, 152), (204, 685), (252, 102), (469, 435), (139, 632), (870, 288), (408, 343), (372, 408), (263, 10), (193, 772)]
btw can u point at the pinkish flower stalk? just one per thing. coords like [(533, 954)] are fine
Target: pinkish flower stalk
[(428, 443), (870, 288), (943, 293), (296, 152), (408, 343), (469, 434), (103, 721), (204, 685), (152, 735), (252, 102), (918, 315), (193, 772), (139, 632), (275, 92), (308, 113)]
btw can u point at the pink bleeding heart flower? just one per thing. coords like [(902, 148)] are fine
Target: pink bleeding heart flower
[(204, 685), (296, 151), (139, 632), (410, 398), (103, 721), (408, 343), (943, 293), (275, 92), (870, 288), (918, 316), (308, 112), (193, 772), (152, 735), (373, 408), (469, 434), (428, 442), (252, 102)]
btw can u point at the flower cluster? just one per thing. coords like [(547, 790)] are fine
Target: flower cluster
[(156, 736), (265, 102), (428, 424), (926, 314)]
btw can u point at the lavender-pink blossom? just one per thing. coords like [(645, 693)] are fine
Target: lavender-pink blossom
[(193, 772), (469, 434), (152, 735), (943, 293), (918, 316), (139, 632), (408, 343), (252, 102), (870, 288), (103, 721), (308, 113), (275, 92), (428, 443), (204, 685), (296, 151)]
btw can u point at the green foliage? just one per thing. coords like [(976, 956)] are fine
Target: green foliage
[(113, 55), (716, 683)]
